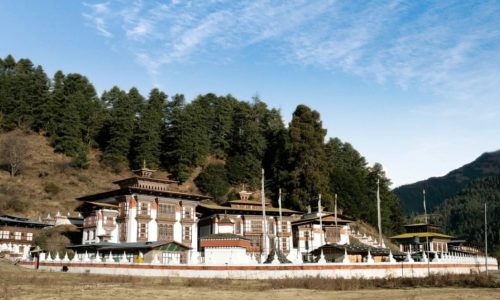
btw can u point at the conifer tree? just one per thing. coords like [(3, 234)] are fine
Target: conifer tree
[(307, 174), (186, 142), (90, 109), (347, 177), (120, 128), (67, 135), (247, 148), (147, 137)]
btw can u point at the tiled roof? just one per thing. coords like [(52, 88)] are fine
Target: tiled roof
[(127, 246), (224, 236), (420, 234), (22, 222), (214, 206), (358, 249), (138, 190)]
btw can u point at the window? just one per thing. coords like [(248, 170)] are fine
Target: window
[(123, 209), (256, 226), (186, 236), (4, 234), (167, 209), (17, 235), (165, 232), (306, 236), (284, 227), (284, 244), (188, 213), (143, 208), (237, 227), (29, 236), (142, 231), (123, 231)]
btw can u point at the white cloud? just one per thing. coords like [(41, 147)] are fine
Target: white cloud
[(448, 47), (96, 18)]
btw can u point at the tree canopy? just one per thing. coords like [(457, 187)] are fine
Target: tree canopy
[(178, 136)]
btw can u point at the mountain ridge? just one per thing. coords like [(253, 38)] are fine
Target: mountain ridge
[(438, 189)]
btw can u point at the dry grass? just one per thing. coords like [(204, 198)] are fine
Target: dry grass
[(363, 227), (19, 283), (48, 183)]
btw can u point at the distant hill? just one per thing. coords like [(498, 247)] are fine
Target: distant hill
[(463, 214), (439, 189)]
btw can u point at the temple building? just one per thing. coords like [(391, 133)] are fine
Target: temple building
[(245, 219), (309, 234), (16, 235), (422, 237), (141, 210)]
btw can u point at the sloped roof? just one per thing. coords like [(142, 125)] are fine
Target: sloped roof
[(421, 234), (138, 190), (358, 249), (224, 236), (167, 245), (326, 218), (214, 206), (19, 221)]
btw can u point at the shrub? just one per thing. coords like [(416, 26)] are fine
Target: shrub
[(213, 181), (51, 188)]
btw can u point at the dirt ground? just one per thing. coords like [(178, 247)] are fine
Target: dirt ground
[(20, 283)]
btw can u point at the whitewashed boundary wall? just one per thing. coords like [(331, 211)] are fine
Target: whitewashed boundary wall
[(327, 270)]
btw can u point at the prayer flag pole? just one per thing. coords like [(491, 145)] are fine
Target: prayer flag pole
[(379, 216), (264, 231), (485, 238)]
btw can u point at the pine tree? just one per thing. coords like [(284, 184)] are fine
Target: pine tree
[(147, 136), (221, 125), (120, 128), (90, 109), (247, 146), (347, 177), (186, 140), (307, 174), (67, 135)]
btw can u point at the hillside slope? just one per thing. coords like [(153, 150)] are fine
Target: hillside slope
[(438, 189), (47, 182), (463, 215)]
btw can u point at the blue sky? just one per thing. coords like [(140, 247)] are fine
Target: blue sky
[(414, 85)]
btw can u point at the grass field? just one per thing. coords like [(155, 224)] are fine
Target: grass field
[(19, 283)]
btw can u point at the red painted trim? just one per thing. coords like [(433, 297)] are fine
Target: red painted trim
[(306, 267)]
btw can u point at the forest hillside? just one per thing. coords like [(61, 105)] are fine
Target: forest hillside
[(216, 142), (438, 189)]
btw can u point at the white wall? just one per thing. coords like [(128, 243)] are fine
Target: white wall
[(353, 270), (226, 255)]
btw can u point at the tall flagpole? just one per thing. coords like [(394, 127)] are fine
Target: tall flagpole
[(280, 227), (427, 237), (485, 239), (379, 216), (320, 220), (264, 232), (425, 209), (336, 227)]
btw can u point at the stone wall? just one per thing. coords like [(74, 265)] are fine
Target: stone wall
[(261, 271)]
